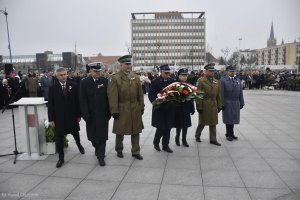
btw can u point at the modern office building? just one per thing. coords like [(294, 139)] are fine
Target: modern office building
[(174, 38), (45, 61)]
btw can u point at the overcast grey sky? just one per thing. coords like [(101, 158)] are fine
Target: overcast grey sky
[(104, 26)]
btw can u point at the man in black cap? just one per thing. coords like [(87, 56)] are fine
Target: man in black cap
[(208, 107), (163, 117), (64, 112), (232, 101), (126, 102), (95, 110)]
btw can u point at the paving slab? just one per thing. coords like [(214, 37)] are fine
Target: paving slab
[(264, 163)]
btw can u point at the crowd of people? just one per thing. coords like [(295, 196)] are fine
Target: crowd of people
[(267, 79), (98, 96)]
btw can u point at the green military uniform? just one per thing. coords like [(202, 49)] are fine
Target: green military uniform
[(126, 97), (209, 106)]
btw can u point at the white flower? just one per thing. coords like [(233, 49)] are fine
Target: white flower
[(46, 123)]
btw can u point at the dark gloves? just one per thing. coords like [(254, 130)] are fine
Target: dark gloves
[(241, 106), (200, 110), (86, 118), (219, 109), (115, 115), (223, 107), (142, 111)]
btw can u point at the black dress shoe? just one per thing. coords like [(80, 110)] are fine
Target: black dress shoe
[(234, 137), (198, 139), (229, 138), (137, 156), (184, 143), (215, 143), (101, 162), (120, 155), (59, 163), (81, 149), (167, 149), (156, 147)]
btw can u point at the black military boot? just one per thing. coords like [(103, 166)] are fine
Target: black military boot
[(177, 140), (184, 132)]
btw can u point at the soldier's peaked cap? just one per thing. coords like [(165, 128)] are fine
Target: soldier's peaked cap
[(210, 67), (183, 71), (164, 67), (125, 59), (230, 68), (95, 66)]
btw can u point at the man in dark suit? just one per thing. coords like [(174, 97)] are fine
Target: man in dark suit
[(95, 110), (163, 118), (64, 112)]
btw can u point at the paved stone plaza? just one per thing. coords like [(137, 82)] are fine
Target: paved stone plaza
[(263, 164)]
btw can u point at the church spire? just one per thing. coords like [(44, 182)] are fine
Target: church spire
[(271, 40), (272, 32)]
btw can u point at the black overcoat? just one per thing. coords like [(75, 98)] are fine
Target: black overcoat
[(183, 114), (64, 110), (95, 108), (163, 117)]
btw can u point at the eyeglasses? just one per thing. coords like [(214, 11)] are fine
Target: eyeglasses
[(127, 63)]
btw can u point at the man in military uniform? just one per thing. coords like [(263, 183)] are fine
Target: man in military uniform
[(95, 110), (232, 101), (126, 102), (210, 105), (163, 117)]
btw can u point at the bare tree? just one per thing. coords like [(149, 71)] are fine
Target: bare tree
[(128, 48), (208, 52), (226, 52)]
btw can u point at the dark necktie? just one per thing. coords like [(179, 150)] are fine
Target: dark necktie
[(64, 89)]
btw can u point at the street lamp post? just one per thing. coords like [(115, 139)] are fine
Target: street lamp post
[(5, 13), (239, 56), (298, 52)]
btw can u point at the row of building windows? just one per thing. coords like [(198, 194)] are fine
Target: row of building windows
[(169, 61), (160, 21), (172, 46), (168, 28), (166, 43), (166, 54), (170, 31), (173, 49), (168, 36), (166, 33), (171, 42)]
